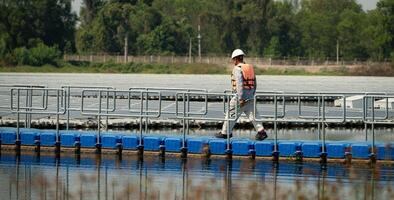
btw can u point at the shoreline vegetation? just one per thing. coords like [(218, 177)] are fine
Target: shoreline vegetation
[(157, 68), (43, 33), (310, 30)]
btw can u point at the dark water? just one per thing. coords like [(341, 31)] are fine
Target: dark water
[(107, 177)]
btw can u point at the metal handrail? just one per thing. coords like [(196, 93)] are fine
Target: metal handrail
[(320, 119), (104, 112), (142, 113), (320, 103), (185, 115), (69, 108), (373, 120), (69, 88), (29, 98), (60, 98), (182, 96), (302, 119), (21, 86), (38, 110), (175, 90), (169, 89), (265, 92), (346, 94)]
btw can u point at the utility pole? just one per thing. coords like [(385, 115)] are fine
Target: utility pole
[(190, 50), (199, 44), (337, 52), (126, 48)]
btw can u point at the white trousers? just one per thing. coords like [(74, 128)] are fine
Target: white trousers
[(247, 108)]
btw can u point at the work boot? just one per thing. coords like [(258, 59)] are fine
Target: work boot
[(261, 135), (224, 136)]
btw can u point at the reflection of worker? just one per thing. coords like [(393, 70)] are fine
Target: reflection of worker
[(243, 82)]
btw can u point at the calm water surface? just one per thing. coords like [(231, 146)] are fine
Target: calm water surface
[(107, 177)]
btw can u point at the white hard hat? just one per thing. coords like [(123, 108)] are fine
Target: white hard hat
[(237, 52)]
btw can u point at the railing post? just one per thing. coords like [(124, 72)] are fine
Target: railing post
[(27, 105), (344, 109), (29, 116), (106, 117), (68, 107), (228, 150), (323, 155), (187, 113), (140, 145), (319, 118), (373, 156), (146, 112), (31, 105), (98, 143), (17, 141), (57, 142), (185, 123), (365, 115), (184, 127), (275, 154)]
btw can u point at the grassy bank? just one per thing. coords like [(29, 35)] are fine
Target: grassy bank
[(86, 67)]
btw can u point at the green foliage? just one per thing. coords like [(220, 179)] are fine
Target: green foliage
[(110, 67), (272, 50), (386, 11), (291, 28), (50, 21), (392, 59), (374, 37), (21, 55), (25, 23), (349, 34), (37, 56), (169, 37), (113, 22), (318, 21), (311, 28), (42, 54), (3, 48)]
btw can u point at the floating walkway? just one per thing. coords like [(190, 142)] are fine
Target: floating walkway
[(185, 106), (123, 143)]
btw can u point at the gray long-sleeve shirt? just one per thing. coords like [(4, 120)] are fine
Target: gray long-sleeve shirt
[(243, 93)]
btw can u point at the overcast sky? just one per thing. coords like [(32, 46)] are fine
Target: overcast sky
[(367, 4)]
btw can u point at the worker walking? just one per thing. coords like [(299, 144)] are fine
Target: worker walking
[(243, 80)]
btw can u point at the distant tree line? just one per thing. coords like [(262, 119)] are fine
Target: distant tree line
[(316, 29), (35, 32)]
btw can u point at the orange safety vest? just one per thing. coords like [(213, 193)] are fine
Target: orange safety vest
[(248, 75)]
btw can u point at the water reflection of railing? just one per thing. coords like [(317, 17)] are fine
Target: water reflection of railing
[(185, 104), (48, 177)]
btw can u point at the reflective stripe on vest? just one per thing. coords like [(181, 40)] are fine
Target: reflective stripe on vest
[(248, 75)]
